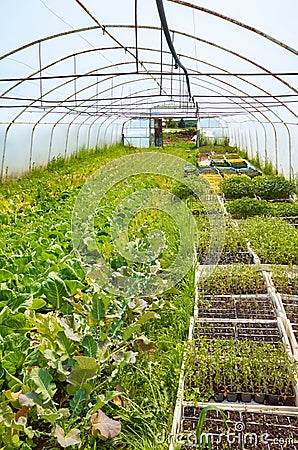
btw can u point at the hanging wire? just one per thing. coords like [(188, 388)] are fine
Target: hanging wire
[(178, 63)]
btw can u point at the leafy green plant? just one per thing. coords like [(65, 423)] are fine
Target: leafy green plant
[(237, 187), (265, 187), (273, 239), (249, 207), (233, 279), (68, 351), (285, 279), (273, 187), (233, 366)]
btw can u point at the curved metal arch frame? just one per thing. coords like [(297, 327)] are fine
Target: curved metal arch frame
[(127, 48), (82, 123), (204, 10), (83, 52), (238, 23)]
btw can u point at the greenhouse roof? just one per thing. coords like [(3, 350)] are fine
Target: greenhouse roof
[(112, 58), (87, 61)]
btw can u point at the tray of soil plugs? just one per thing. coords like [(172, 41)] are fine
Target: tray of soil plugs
[(230, 257), (240, 430), (264, 331), (236, 307), (290, 307)]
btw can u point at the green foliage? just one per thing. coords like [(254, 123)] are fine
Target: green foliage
[(249, 207), (66, 347), (181, 123), (266, 167), (41, 381), (273, 239), (233, 279), (202, 439), (273, 187), (228, 365), (237, 187), (265, 187), (170, 123), (285, 280), (79, 397)]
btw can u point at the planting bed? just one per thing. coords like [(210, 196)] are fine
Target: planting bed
[(257, 307), (290, 303), (285, 280), (239, 370), (236, 257), (233, 279), (266, 331), (243, 430), (243, 339), (233, 256)]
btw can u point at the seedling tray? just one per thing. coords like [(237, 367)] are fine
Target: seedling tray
[(230, 257), (289, 306), (220, 162), (208, 170), (250, 172), (243, 429), (190, 169), (271, 331), (229, 156), (224, 170), (236, 257), (204, 163), (233, 307), (239, 165)]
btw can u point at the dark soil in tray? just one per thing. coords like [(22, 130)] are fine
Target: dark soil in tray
[(232, 257), (236, 257), (233, 279), (242, 430), (259, 332), (237, 308), (266, 332), (286, 283), (295, 329), (291, 307)]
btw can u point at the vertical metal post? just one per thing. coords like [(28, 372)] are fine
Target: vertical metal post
[(51, 142), (40, 73), (257, 140), (276, 148), (265, 142), (136, 35), (172, 66), (96, 95), (75, 78), (250, 140), (290, 151), (161, 61), (180, 105)]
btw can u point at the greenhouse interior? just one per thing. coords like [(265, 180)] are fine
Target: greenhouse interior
[(149, 225)]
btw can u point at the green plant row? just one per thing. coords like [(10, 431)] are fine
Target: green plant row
[(236, 366), (233, 279), (285, 279), (264, 187), (249, 207), (273, 239), (72, 355)]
